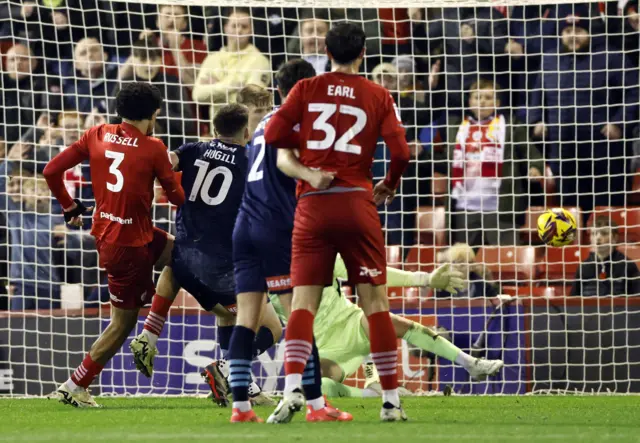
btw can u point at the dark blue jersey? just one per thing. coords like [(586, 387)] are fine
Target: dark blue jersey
[(213, 178), (270, 196)]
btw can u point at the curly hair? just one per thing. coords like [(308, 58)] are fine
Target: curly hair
[(138, 101)]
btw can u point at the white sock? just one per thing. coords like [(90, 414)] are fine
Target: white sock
[(153, 338), (391, 396), (72, 386), (242, 406), (292, 382), (317, 403), (254, 389), (465, 360)]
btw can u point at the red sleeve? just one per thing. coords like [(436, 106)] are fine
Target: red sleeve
[(67, 159), (397, 144), (167, 177), (280, 127), (393, 134), (198, 52)]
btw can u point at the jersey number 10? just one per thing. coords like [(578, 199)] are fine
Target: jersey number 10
[(204, 180)]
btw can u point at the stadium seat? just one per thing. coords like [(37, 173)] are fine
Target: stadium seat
[(532, 291), (529, 231), (421, 258), (510, 263), (560, 264), (628, 220), (431, 225), (394, 256)]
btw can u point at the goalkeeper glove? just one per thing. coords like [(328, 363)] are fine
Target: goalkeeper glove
[(443, 278)]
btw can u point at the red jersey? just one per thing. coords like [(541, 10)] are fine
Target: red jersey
[(341, 118), (194, 51), (124, 164)]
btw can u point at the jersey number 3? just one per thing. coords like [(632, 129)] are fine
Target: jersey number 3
[(204, 180), (117, 157), (326, 110)]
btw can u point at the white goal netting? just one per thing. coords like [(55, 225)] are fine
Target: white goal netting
[(510, 107)]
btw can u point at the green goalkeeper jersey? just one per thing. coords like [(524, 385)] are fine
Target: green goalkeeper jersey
[(334, 307)]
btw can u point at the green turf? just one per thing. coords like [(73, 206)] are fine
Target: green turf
[(450, 419)]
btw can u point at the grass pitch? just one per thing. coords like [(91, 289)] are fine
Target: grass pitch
[(432, 419)]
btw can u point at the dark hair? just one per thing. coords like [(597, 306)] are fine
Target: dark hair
[(146, 49), (345, 42), (292, 72), (228, 12), (314, 14), (605, 221), (231, 119), (484, 83), (138, 101)]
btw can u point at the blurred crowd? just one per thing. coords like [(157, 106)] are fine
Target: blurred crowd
[(499, 103)]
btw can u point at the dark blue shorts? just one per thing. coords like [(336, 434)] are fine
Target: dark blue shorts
[(208, 279), (261, 257)]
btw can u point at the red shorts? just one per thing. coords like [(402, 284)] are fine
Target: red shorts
[(345, 223), (130, 270)]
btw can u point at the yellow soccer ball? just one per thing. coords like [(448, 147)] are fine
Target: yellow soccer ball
[(557, 227)]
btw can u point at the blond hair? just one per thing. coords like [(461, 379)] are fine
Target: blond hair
[(254, 95)]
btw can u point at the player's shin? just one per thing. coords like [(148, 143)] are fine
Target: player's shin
[(427, 340), (163, 299), (383, 340), (312, 380)]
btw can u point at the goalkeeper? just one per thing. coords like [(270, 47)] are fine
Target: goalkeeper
[(342, 332)]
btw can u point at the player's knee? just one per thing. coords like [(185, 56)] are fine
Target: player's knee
[(331, 370)]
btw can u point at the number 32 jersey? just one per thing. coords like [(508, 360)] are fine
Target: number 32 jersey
[(270, 196), (213, 178), (341, 118)]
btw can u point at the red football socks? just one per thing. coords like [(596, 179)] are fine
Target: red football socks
[(86, 372), (299, 341), (384, 349), (157, 315)]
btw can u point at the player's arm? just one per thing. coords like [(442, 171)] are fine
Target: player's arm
[(208, 88), (289, 164), (166, 177), (279, 131), (393, 134), (442, 278), (54, 175)]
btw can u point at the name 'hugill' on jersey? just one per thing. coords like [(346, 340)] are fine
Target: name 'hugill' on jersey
[(216, 154)]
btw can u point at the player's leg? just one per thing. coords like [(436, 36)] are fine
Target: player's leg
[(143, 347), (362, 248)]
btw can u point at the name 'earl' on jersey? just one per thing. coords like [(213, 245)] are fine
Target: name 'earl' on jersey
[(270, 196), (213, 178)]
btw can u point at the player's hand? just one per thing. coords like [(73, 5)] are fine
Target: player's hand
[(73, 214), (382, 193), (446, 278), (540, 130), (320, 179)]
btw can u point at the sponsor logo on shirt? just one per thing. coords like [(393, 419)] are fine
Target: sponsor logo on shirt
[(279, 283), (113, 218), (124, 141), (366, 272)]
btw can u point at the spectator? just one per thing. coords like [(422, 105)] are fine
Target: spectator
[(226, 71), (176, 121), (488, 160), (26, 96), (88, 91), (313, 28), (584, 102), (606, 271), (476, 45), (181, 55), (479, 278)]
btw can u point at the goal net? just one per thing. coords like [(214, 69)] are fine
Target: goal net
[(510, 108)]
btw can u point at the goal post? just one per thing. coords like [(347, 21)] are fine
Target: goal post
[(510, 107)]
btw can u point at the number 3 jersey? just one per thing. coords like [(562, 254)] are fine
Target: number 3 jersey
[(213, 177), (270, 196), (124, 164)]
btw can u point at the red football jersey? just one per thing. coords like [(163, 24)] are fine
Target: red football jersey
[(341, 118), (124, 164)]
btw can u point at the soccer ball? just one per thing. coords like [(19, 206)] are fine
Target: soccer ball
[(557, 227)]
